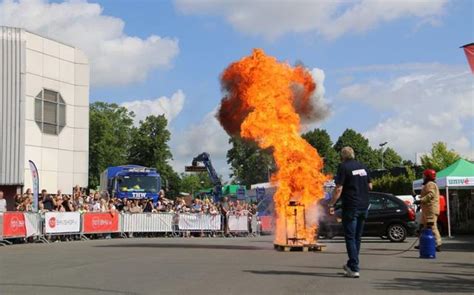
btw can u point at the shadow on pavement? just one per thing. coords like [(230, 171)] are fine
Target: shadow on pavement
[(448, 284), (458, 247), (66, 288), (379, 241), (183, 246), (458, 265), (294, 273), (373, 252), (414, 271)]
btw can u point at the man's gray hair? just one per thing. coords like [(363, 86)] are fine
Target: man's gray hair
[(347, 153)]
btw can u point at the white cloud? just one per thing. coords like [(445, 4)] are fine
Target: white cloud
[(115, 57), (332, 19), (426, 106), (206, 136), (170, 107)]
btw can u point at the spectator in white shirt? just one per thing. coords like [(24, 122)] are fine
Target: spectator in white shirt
[(3, 203), (96, 207)]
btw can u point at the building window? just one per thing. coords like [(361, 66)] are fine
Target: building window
[(50, 111)]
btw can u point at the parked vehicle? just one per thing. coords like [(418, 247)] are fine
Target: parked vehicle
[(131, 182), (388, 217)]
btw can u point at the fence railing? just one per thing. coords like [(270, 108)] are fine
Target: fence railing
[(40, 227)]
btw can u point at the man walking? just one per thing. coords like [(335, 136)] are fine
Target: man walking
[(352, 186)]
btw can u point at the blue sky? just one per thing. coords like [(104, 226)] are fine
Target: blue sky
[(392, 70)]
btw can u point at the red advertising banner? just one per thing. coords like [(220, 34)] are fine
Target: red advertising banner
[(266, 223), (14, 225), (100, 223)]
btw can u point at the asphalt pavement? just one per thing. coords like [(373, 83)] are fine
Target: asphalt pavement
[(230, 266)]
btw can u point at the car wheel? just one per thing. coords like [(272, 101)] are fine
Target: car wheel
[(326, 232), (329, 235), (396, 233)]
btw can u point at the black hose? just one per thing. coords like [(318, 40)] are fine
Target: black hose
[(404, 251)]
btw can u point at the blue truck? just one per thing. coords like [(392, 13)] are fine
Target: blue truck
[(131, 182)]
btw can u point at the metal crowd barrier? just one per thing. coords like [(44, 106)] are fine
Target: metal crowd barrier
[(238, 223), (147, 222), (13, 226), (2, 241), (199, 222), (62, 223), (41, 227), (34, 226)]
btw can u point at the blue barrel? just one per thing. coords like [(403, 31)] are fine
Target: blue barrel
[(427, 244)]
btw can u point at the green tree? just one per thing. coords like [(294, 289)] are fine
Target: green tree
[(109, 138), (193, 182), (149, 147), (320, 140), (408, 163), (363, 152), (440, 157), (171, 182), (397, 185), (249, 164), (391, 158)]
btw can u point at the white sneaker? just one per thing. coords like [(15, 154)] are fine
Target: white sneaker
[(349, 273)]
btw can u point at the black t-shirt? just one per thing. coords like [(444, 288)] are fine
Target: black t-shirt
[(119, 206), (148, 208), (354, 178), (48, 203)]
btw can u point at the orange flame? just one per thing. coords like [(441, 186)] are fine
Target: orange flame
[(264, 100)]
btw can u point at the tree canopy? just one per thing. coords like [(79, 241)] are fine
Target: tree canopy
[(109, 138), (249, 164), (440, 157), (391, 158), (114, 141), (321, 141), (149, 148), (193, 182), (363, 152)]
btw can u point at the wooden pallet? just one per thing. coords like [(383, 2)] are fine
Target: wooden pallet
[(300, 248)]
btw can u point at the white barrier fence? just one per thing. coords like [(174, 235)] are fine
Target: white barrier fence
[(33, 225), (147, 222), (25, 225), (238, 223), (62, 222), (199, 222)]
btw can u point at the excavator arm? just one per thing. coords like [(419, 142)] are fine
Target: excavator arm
[(205, 159)]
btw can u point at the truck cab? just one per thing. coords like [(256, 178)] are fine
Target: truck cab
[(131, 182)]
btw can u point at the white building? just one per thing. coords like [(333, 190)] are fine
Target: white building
[(44, 112)]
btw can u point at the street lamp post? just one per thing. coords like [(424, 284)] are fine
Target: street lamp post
[(381, 147)]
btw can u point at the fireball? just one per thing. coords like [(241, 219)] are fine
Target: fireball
[(264, 101)]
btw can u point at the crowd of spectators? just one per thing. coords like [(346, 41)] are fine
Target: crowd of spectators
[(81, 202)]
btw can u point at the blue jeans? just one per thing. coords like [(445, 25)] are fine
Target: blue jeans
[(353, 223)]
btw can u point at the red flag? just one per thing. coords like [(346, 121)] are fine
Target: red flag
[(469, 51)]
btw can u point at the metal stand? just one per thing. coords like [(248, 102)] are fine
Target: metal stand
[(295, 239), (296, 243)]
